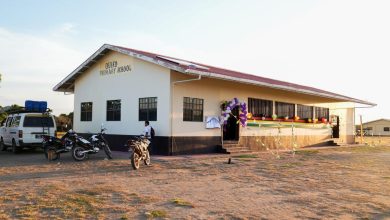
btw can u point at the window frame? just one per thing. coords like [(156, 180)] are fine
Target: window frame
[(303, 116), (189, 108), (290, 114), (260, 105), (386, 129), (86, 112), (320, 110), (13, 121), (150, 103), (113, 111), (8, 121)]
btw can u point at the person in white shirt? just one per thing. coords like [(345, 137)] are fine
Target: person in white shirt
[(147, 130), (148, 134)]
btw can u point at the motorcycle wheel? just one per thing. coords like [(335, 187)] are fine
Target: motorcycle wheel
[(107, 150), (147, 160), (51, 154), (77, 155), (135, 161)]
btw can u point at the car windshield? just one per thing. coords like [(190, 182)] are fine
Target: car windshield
[(38, 121)]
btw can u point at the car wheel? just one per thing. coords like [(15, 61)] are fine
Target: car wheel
[(2, 145), (15, 148)]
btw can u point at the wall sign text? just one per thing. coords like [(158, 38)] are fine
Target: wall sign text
[(113, 68)]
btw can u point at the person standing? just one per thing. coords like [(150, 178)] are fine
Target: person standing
[(149, 134), (147, 130)]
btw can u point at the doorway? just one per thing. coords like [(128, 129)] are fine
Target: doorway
[(335, 126), (231, 131)]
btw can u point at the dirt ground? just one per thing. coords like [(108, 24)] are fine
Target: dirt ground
[(336, 183)]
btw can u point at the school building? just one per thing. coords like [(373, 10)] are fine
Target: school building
[(198, 108)]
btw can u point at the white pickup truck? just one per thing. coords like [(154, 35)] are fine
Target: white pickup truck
[(25, 129)]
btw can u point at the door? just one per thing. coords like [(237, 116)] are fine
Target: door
[(6, 131), (335, 126), (231, 130)]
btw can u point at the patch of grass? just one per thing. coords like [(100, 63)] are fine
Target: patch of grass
[(246, 156), (136, 199), (307, 152), (386, 177), (123, 217), (364, 149), (28, 211), (72, 205), (290, 165), (183, 203), (88, 192), (157, 214)]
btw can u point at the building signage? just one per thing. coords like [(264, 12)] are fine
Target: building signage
[(112, 67)]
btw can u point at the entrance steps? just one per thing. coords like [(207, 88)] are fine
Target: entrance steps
[(336, 142), (233, 147)]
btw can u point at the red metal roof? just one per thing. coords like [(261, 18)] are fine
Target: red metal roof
[(186, 66), (236, 74)]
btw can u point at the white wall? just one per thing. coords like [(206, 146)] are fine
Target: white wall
[(144, 80)]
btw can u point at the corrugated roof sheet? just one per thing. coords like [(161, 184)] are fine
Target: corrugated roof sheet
[(190, 66)]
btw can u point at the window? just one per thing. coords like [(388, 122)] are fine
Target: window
[(283, 109), (34, 121), (15, 121), (386, 129), (86, 111), (260, 107), (8, 122), (114, 110), (192, 109), (305, 112), (147, 109), (322, 113)]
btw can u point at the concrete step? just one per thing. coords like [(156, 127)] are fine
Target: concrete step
[(237, 149), (337, 142), (240, 152), (231, 145), (230, 142)]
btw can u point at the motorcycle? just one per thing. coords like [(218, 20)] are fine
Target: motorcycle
[(53, 146), (96, 142), (138, 148)]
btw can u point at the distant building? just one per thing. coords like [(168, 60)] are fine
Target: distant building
[(184, 102), (376, 127)]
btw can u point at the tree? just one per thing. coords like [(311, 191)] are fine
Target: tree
[(3, 115), (64, 122), (12, 108), (4, 111)]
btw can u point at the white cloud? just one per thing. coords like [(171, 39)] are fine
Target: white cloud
[(67, 28), (31, 66)]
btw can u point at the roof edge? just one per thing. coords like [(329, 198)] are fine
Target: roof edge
[(119, 50), (280, 87), (70, 79)]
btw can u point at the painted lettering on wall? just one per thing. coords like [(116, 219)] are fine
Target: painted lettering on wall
[(113, 68)]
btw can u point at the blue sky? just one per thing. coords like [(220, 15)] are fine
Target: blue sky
[(341, 46)]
